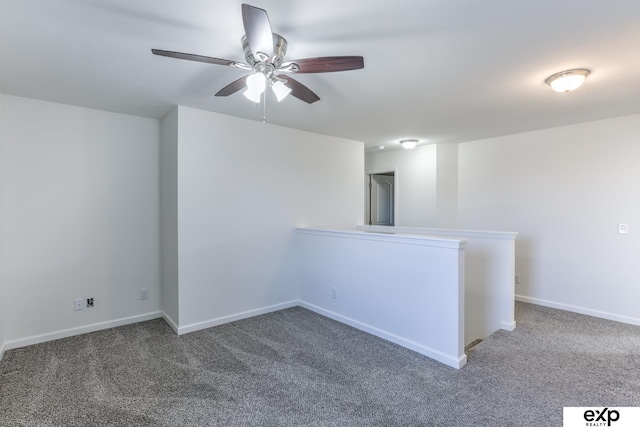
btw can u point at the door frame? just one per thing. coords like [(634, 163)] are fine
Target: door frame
[(367, 174)]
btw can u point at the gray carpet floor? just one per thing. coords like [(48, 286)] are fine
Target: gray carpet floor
[(296, 368)]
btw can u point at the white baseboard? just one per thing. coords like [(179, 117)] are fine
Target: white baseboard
[(37, 339), (233, 317), (509, 326), (580, 310), (454, 362), (172, 323)]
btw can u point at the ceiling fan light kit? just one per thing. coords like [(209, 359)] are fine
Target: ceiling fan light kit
[(568, 80), (264, 52)]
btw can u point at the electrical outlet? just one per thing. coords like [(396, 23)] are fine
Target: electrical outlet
[(89, 302), (334, 293), (78, 304), (517, 281), (623, 228), (143, 294)]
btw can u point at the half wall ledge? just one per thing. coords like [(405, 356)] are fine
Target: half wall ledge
[(489, 266), (408, 289)]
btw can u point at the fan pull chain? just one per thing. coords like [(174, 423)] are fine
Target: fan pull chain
[(264, 107)]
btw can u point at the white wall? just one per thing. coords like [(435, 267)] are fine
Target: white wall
[(415, 182), (447, 185), (406, 289), (169, 217), (243, 187), (79, 214), (565, 190), (489, 266)]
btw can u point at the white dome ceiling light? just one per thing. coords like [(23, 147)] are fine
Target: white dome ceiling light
[(568, 80), (409, 143)]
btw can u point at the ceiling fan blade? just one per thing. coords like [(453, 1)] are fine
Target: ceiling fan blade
[(299, 90), (326, 64), (200, 58), (258, 31), (233, 87)]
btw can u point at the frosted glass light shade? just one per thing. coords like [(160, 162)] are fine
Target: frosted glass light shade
[(253, 95), (257, 82), (409, 143), (566, 81), (280, 90)]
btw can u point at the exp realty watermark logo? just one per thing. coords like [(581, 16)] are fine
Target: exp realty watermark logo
[(601, 417)]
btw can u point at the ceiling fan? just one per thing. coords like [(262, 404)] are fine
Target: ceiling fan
[(265, 52)]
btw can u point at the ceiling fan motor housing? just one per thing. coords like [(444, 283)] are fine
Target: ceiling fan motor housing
[(279, 51)]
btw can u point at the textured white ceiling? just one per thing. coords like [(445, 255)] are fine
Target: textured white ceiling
[(437, 70)]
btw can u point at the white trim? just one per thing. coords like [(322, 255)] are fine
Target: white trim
[(452, 361), (478, 234), (405, 239), (580, 310), (381, 171), (170, 322), (233, 317), (37, 339), (508, 326), (424, 350)]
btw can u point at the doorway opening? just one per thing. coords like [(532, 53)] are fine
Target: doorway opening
[(381, 198)]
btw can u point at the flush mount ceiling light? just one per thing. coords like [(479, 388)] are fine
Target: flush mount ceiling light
[(568, 80), (409, 143)]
